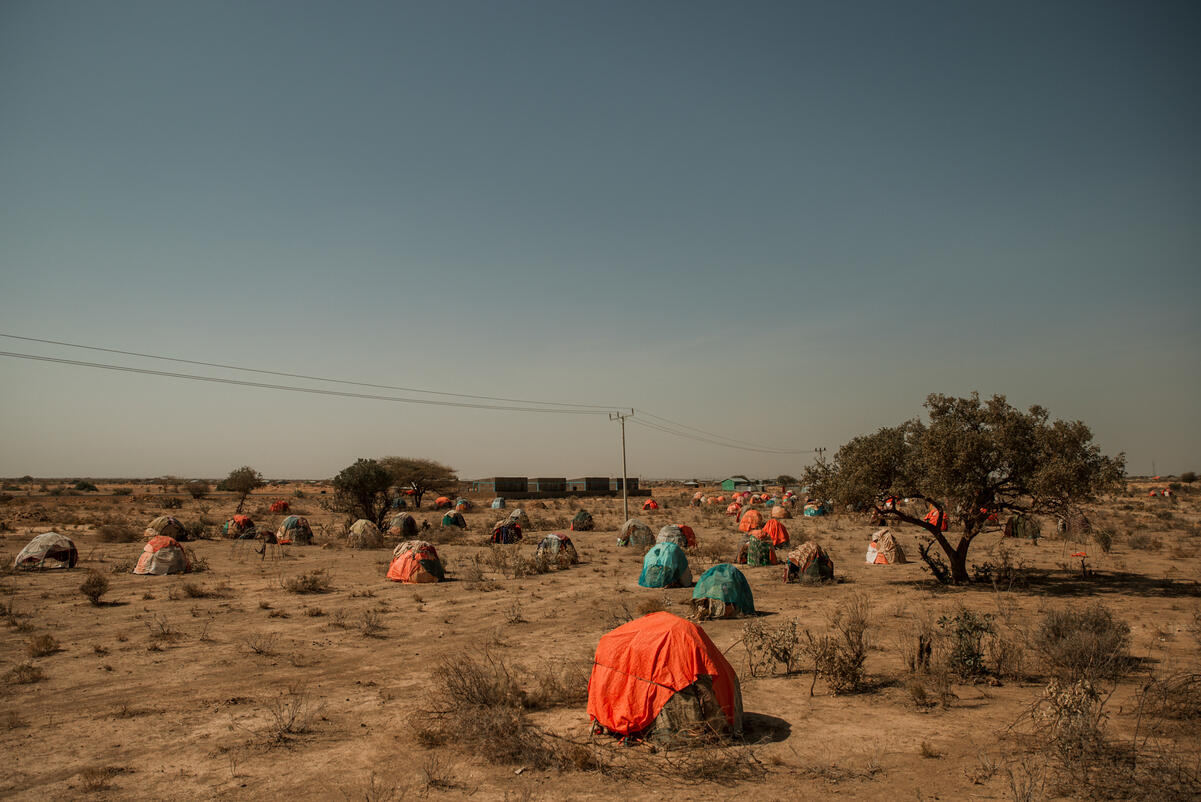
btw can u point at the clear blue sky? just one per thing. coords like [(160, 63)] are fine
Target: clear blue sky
[(782, 222)]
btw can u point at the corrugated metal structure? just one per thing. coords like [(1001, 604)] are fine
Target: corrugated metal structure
[(590, 484), (514, 487), (502, 485), (543, 484)]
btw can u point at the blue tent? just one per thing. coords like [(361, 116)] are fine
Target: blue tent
[(725, 585), (664, 566)]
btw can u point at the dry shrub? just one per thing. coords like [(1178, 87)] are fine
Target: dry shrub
[(1176, 697), (1083, 644), (24, 674), (838, 656), (560, 684), (95, 585), (371, 624), (770, 646), (196, 591), (315, 581), (260, 643), (289, 714), (1140, 541), (42, 645), (117, 533), (651, 604), (95, 779)]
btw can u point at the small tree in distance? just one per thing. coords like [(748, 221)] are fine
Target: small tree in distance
[(243, 481), (361, 490), (420, 475), (975, 459), (197, 489)]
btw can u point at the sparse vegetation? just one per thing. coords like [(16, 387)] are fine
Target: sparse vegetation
[(1083, 644), (94, 586), (315, 581), (42, 645)]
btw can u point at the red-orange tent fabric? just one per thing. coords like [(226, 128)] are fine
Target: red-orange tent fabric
[(640, 665), (441, 501), (407, 567), (751, 519), (932, 517), (279, 506), (243, 521), (734, 509), (650, 504), (774, 531), (689, 535)]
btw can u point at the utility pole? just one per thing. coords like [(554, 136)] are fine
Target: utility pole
[(625, 482), (820, 451)]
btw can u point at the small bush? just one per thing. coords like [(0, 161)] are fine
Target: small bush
[(122, 491), (289, 714), (1083, 644), (966, 630), (42, 646), (117, 533), (24, 674), (838, 657), (95, 585), (1144, 542), (769, 647), (86, 487), (315, 581), (371, 623), (1103, 538), (1188, 477), (171, 503)]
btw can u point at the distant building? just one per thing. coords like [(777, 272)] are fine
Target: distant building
[(501, 485), (739, 483), (589, 484), (553, 486), (543, 484)]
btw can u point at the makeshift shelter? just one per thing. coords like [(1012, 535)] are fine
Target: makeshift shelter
[(280, 506), (665, 566), (47, 550), (774, 531), (506, 531), (162, 555), (780, 512), (166, 526), (813, 509), (415, 562), (1023, 526), (364, 535), (751, 519), (808, 562), (582, 522), (558, 549), (722, 592), (884, 549), (939, 519), (635, 533), (442, 503), (734, 510), (462, 505), (454, 519), (294, 529), (661, 677), (403, 525), (240, 527), (756, 551), (518, 516), (682, 536), (498, 503), (650, 504)]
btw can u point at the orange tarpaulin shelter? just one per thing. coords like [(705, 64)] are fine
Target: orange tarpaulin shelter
[(751, 519), (640, 665), (774, 531), (441, 503), (650, 504), (734, 509), (279, 505), (932, 517), (415, 562)]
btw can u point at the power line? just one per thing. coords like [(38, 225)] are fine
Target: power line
[(740, 443), (291, 388), (604, 407), (685, 435)]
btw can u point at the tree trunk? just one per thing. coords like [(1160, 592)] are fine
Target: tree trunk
[(241, 501), (958, 558)]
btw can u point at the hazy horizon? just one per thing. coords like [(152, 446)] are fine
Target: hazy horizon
[(783, 223)]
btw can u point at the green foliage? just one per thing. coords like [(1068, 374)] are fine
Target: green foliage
[(197, 489), (86, 486), (1085, 643), (975, 457), (420, 475), (361, 490), (1188, 477), (94, 586), (243, 481), (966, 629)]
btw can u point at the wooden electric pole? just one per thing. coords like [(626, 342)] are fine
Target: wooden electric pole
[(625, 482)]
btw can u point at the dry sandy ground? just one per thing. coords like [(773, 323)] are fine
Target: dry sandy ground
[(124, 712)]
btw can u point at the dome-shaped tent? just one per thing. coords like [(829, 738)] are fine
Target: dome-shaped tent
[(774, 531), (498, 503), (757, 551), (650, 504), (808, 561), (167, 526), (415, 562), (442, 503), (279, 507), (582, 522), (294, 529), (454, 519), (48, 550), (751, 519), (518, 516), (635, 533), (681, 535), (364, 535), (734, 510), (506, 531), (558, 549), (240, 527), (462, 505), (813, 509), (722, 592), (884, 549), (665, 566), (162, 555), (780, 512), (662, 678), (403, 525)]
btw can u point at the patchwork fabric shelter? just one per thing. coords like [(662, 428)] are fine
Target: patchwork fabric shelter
[(582, 522), (518, 516), (364, 535), (681, 535), (808, 561), (462, 505), (239, 527), (558, 549), (937, 518), (416, 562), (722, 592), (757, 551), (167, 526), (650, 504), (813, 509), (751, 519), (662, 678), (280, 506), (884, 549), (403, 525), (441, 503), (47, 550), (780, 512), (1024, 526), (506, 532), (774, 531), (454, 519), (734, 510), (665, 566), (294, 529), (498, 503), (635, 533), (162, 555)]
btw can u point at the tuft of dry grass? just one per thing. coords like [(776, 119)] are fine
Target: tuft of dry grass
[(95, 585), (24, 674), (315, 581), (42, 645)]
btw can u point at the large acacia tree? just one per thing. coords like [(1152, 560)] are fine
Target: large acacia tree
[(972, 460), (361, 491), (420, 475)]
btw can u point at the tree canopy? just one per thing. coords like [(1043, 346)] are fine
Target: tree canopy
[(973, 460), (420, 475), (361, 490), (243, 481)]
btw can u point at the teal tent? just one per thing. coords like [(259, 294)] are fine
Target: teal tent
[(665, 566), (722, 592)]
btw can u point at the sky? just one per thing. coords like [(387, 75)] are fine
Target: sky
[(783, 223)]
